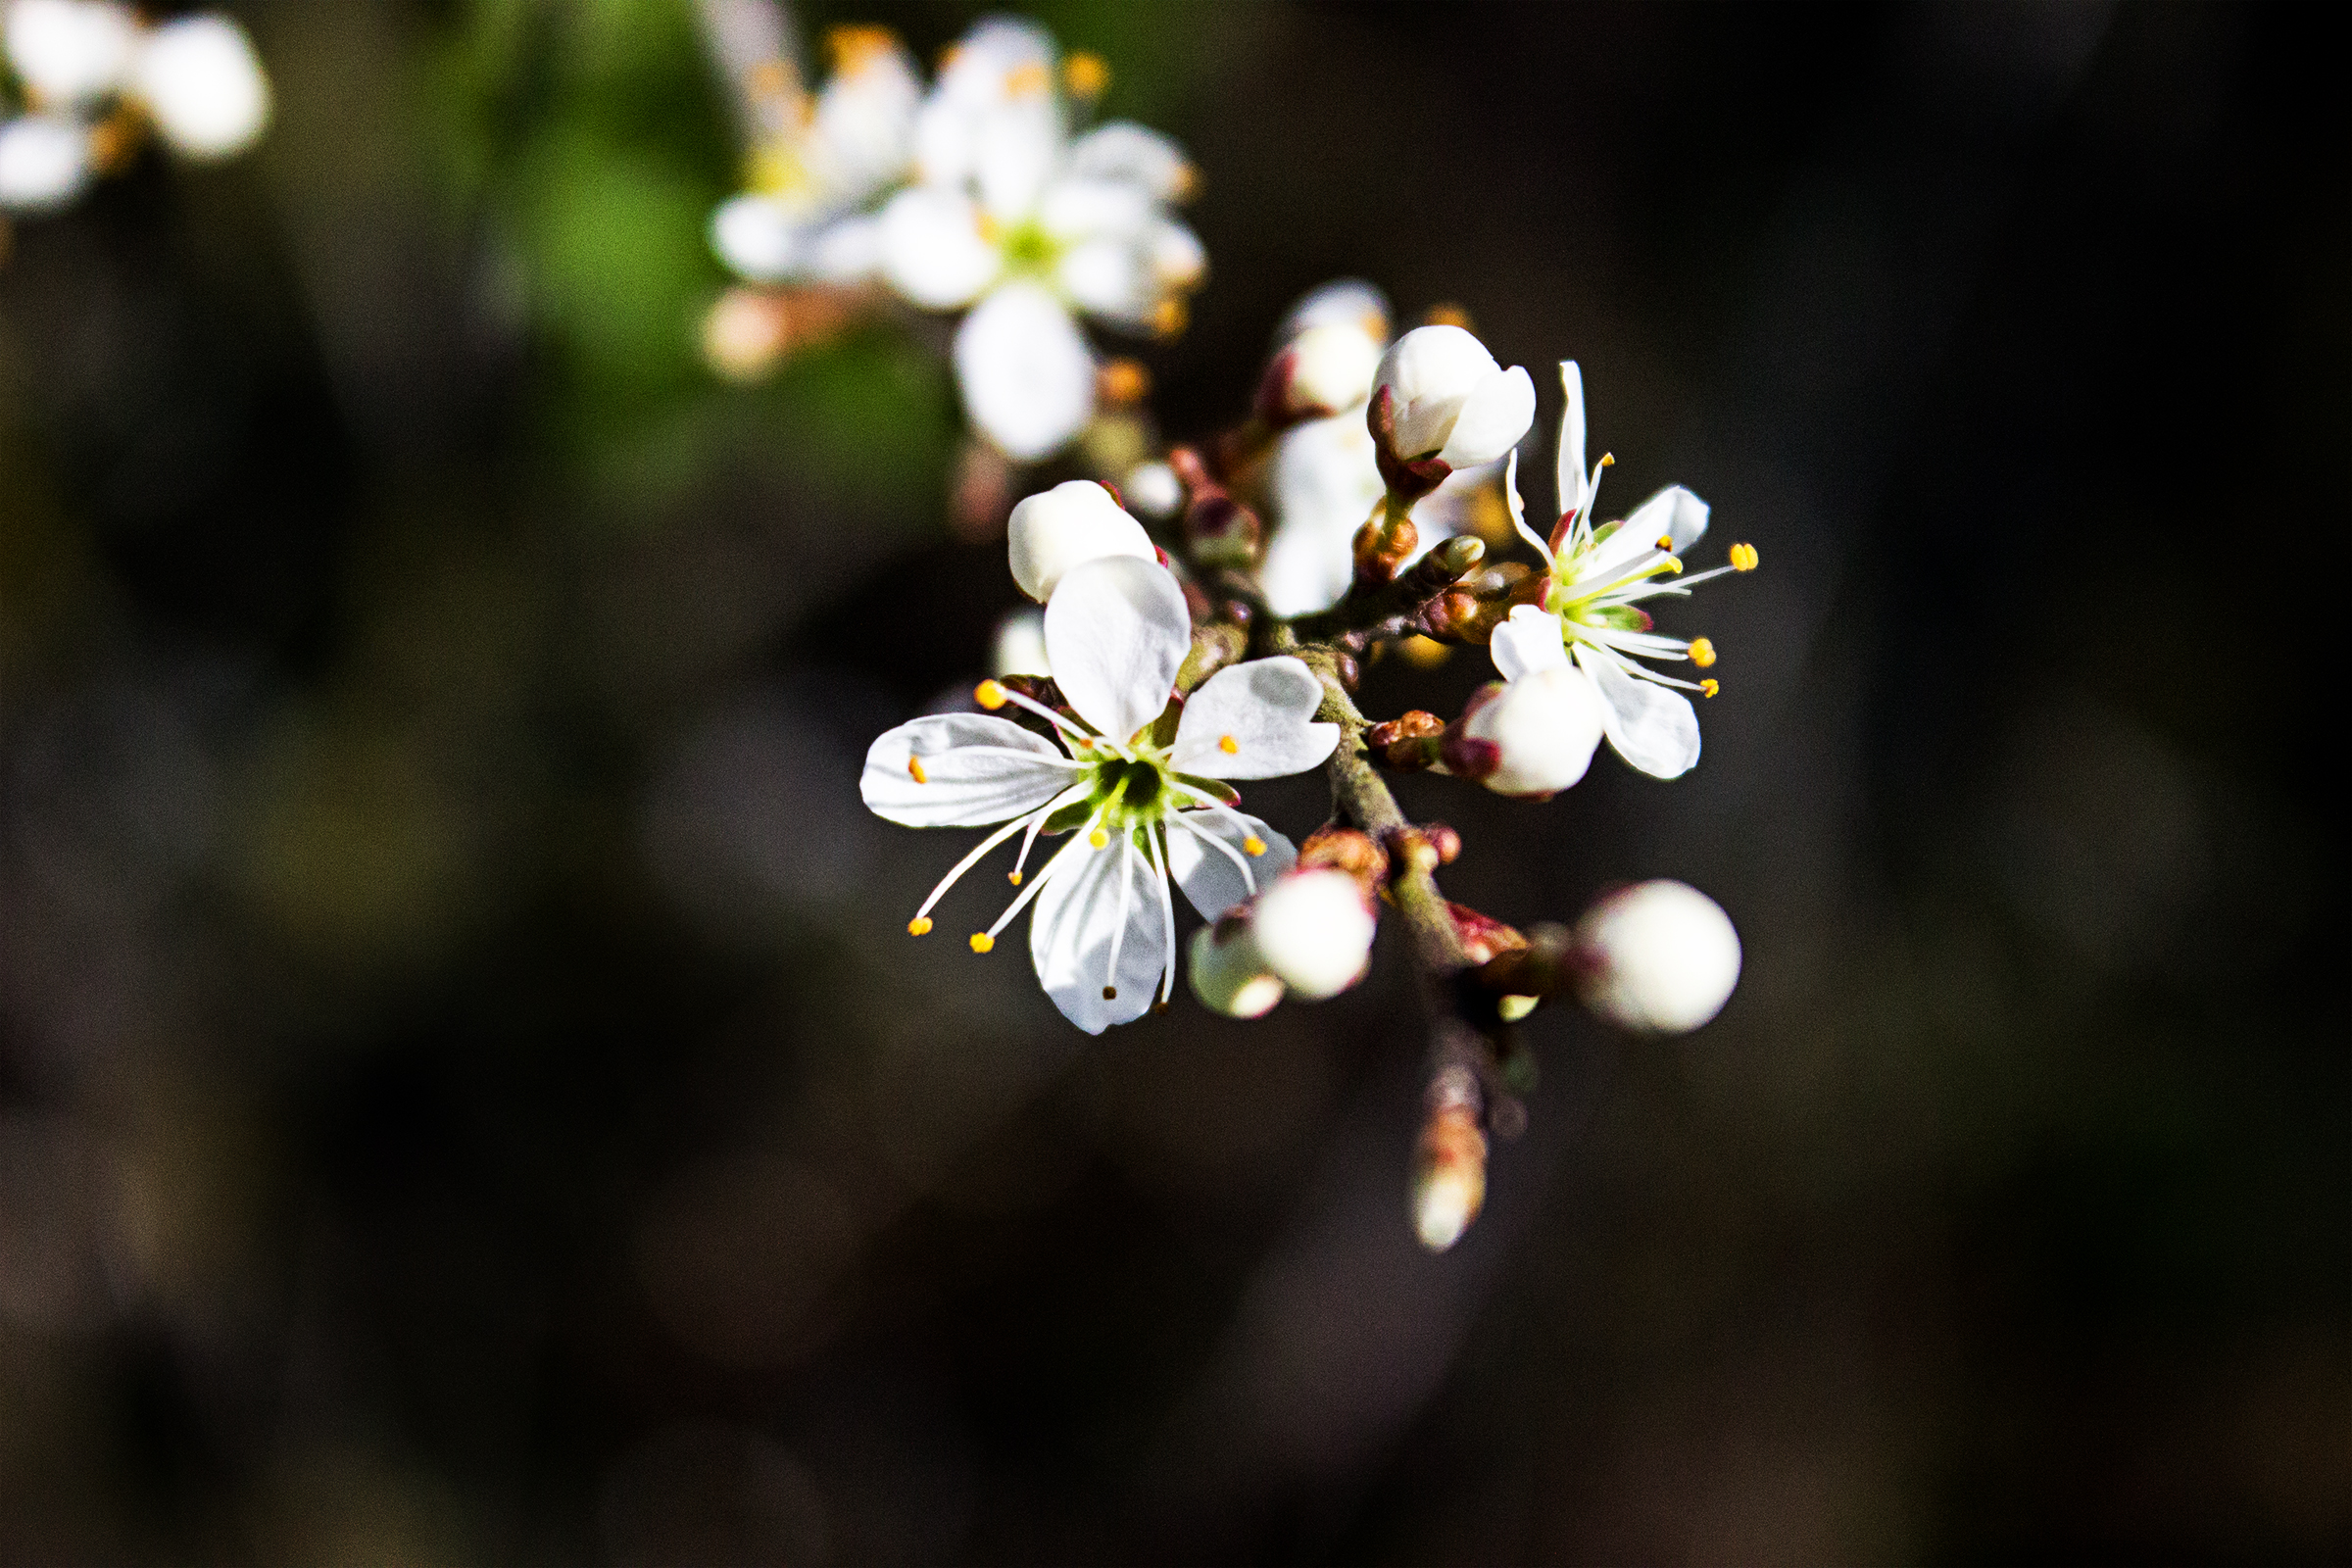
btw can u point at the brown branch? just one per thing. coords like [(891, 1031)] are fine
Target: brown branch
[(1382, 607)]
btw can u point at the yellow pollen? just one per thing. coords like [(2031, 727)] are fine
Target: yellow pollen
[(1099, 839), (1665, 541), (1709, 688), (1228, 745), (914, 766), (854, 48), (1026, 80), (1702, 652), (982, 942), (1186, 185), (1013, 877), (1255, 844), (1123, 383), (949, 55), (1168, 317), (919, 926), (1447, 315), (1609, 460), (1743, 557), (988, 227), (989, 695), (1085, 75)]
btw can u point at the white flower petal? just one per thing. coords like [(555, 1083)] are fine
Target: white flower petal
[(44, 162), (1674, 513), (848, 250), (1027, 376), (1326, 483), (1208, 876), (1178, 259), (69, 51), (1018, 146), (1655, 729), (1569, 472), (960, 786), (1109, 278), (1431, 371), (1349, 301), (1116, 630), (1070, 937), (1254, 720), (1074, 523), (1527, 642), (756, 238), (1124, 151), (864, 135), (1315, 933), (932, 252), (1096, 209), (1493, 419), (203, 87), (1660, 957)]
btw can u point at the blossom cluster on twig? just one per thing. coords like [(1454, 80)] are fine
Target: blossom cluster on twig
[(1206, 609)]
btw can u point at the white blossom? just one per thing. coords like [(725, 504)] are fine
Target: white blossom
[(1314, 932), (1074, 523), (70, 53), (44, 162), (1660, 957), (1144, 806), (1596, 580), (1152, 490), (805, 216), (1451, 400), (203, 87), (1009, 205)]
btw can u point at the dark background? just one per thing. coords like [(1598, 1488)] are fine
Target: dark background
[(464, 1093)]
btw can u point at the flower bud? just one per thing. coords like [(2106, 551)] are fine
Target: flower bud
[(67, 52), (1074, 523), (1228, 973), (203, 85), (1450, 400), (1152, 490), (1542, 728), (1324, 369), (1450, 1176), (1660, 957), (46, 160), (1314, 932)]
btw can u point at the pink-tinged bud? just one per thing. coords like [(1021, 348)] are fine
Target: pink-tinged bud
[(1452, 402), (1324, 368), (1074, 523), (1450, 1176), (1660, 957), (1541, 730), (1314, 930), (1483, 937), (1228, 973)]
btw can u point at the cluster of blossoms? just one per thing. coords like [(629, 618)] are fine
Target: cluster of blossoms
[(986, 196), (1204, 611), (89, 80)]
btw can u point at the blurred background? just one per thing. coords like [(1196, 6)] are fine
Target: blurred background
[(466, 1095)]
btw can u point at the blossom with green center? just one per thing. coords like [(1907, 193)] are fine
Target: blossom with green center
[(1137, 780), (1596, 580)]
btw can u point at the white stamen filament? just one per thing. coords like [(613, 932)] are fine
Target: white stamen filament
[(1249, 877), (1215, 804), (985, 845), (1062, 857), (1118, 932), (1167, 915), (1044, 712)]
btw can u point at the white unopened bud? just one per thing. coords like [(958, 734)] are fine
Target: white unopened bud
[(67, 52), (1327, 368), (1152, 491), (1661, 957), (1314, 932), (1452, 401), (1229, 975), (1542, 727), (1349, 301), (203, 85), (1020, 647), (44, 162), (1074, 523)]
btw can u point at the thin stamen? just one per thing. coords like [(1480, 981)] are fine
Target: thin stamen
[(1248, 831), (1119, 933), (1510, 491), (987, 844), (1061, 857), (1037, 822), (1249, 877), (1167, 915), (1009, 751), (1044, 712)]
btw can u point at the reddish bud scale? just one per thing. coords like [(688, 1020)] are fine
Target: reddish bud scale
[(1408, 480), (1346, 849), (1449, 842), (1379, 551), (1541, 967), (1484, 938)]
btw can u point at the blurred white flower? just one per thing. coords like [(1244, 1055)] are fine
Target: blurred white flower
[(1451, 400), (1067, 526), (1138, 807), (1019, 646), (44, 162), (1152, 490), (1598, 579), (203, 87), (1009, 204), (70, 53), (1229, 974), (1314, 932), (1660, 957), (805, 216)]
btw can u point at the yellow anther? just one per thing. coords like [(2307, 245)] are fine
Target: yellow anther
[(1228, 745), (1447, 315), (989, 229), (1185, 184), (1026, 80), (1110, 993), (1123, 383), (949, 56), (1609, 460), (982, 942), (1085, 75), (919, 926), (852, 48), (1666, 540), (1709, 688), (1255, 844), (1168, 317), (989, 695), (1013, 877), (1743, 557), (914, 766), (1702, 652), (1099, 839)]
